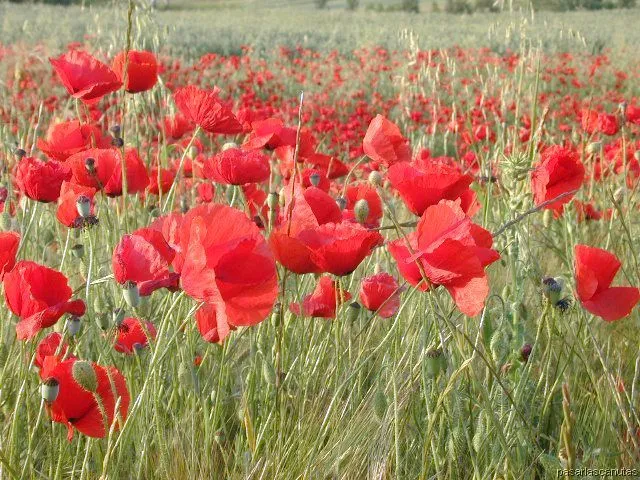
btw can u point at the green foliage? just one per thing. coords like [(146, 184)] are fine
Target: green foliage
[(411, 6), (320, 4), (353, 4)]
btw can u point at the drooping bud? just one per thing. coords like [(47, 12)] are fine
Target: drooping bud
[(342, 202), (131, 294), (117, 142), (115, 130), (73, 325), (85, 375), (77, 250), (594, 147), (552, 289), (525, 352), (547, 217), (49, 390), (361, 210), (375, 178), (314, 178), (20, 153), (83, 205), (619, 194)]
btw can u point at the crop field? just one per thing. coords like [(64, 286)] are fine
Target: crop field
[(262, 240)]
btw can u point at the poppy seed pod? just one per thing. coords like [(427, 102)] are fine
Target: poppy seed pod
[(115, 130), (353, 311), (342, 202), (594, 147), (20, 153), (85, 375), (375, 178), (525, 352), (314, 178), (552, 289), (131, 294), (361, 210), (77, 250), (73, 325), (434, 362), (83, 205), (90, 165), (49, 390), (117, 142), (272, 200)]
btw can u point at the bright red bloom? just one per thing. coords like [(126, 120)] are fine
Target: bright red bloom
[(77, 408), (238, 167), (213, 328), (380, 293), (142, 256), (40, 181), (633, 114), (421, 188), (560, 171), (448, 249), (608, 124), (339, 248), (323, 301), (595, 271), (161, 180), (84, 77), (224, 260), (50, 346), (366, 192), (176, 127), (66, 138), (273, 134), (131, 335), (204, 108), (9, 243), (384, 143), (67, 213), (107, 173), (39, 296), (142, 70)]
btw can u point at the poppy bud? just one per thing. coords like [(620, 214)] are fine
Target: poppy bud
[(434, 362), (380, 404), (50, 389), (83, 205), (131, 294), (219, 437), (272, 200), (361, 210), (314, 178), (19, 153), (117, 142), (184, 204), (619, 194), (77, 250), (85, 375), (6, 221), (193, 151), (184, 375), (547, 216), (229, 145), (636, 155), (90, 165), (117, 316), (115, 130), (552, 289), (353, 311), (594, 147), (73, 325), (377, 268), (375, 178), (525, 352), (342, 202), (282, 197), (268, 373), (102, 320)]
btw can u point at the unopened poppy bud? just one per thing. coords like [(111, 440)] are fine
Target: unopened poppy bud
[(117, 142), (353, 311), (377, 268), (20, 153), (49, 390), (314, 178), (219, 437), (552, 289), (73, 325), (115, 130), (525, 352), (229, 145), (102, 320), (636, 155), (375, 178), (282, 198), (85, 375), (184, 204), (155, 212), (193, 151), (77, 250), (380, 404), (117, 316), (83, 205), (268, 372), (6, 221), (272, 200), (342, 202), (547, 217), (434, 362), (131, 294), (619, 194), (594, 147), (361, 210), (90, 165)]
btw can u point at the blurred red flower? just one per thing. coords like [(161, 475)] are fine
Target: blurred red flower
[(132, 335), (384, 143), (380, 293), (142, 70), (559, 171), (323, 301), (66, 138), (40, 181), (204, 108), (9, 243), (238, 167)]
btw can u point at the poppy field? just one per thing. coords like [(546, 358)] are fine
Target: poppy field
[(285, 261)]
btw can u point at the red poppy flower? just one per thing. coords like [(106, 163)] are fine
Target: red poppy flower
[(339, 248), (175, 127), (39, 296), (204, 108), (67, 213), (213, 328), (50, 346), (225, 261), (595, 271), (560, 171), (142, 256), (273, 134), (380, 293), (448, 249), (323, 301), (142, 70), (9, 243), (420, 189), (608, 124), (77, 408), (132, 335), (238, 167), (41, 181), (161, 180), (84, 77), (633, 114), (106, 174), (353, 194), (384, 143), (66, 138)]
